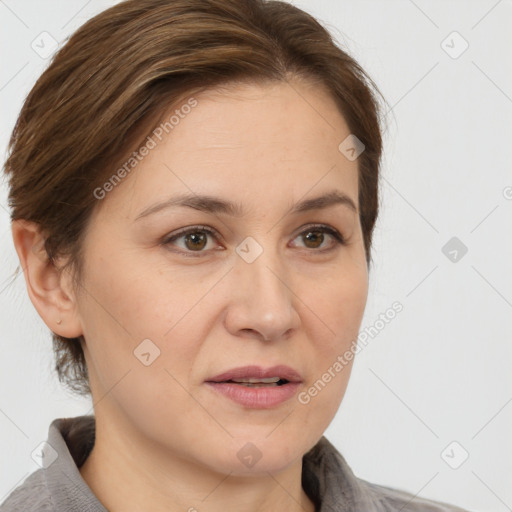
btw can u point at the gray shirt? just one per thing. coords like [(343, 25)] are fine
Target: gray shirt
[(326, 479)]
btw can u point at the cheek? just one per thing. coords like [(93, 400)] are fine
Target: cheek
[(338, 304), (124, 312), (166, 311), (335, 320)]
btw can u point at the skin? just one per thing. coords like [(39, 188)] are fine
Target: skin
[(164, 439)]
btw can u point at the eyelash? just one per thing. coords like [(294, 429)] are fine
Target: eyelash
[(338, 237)]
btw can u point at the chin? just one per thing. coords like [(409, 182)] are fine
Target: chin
[(257, 455)]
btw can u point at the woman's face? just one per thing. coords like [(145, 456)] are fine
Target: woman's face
[(264, 286)]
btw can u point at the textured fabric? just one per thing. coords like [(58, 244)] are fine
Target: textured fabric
[(326, 478), (59, 486)]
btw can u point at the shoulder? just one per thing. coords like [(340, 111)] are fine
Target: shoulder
[(32, 495), (330, 481), (391, 499), (57, 485)]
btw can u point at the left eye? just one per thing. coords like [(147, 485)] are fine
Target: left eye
[(314, 236), (195, 239)]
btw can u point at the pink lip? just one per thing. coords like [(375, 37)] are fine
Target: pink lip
[(257, 398), (282, 371)]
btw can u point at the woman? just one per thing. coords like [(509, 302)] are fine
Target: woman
[(194, 187)]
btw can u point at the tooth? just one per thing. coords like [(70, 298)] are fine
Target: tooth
[(258, 385), (268, 380)]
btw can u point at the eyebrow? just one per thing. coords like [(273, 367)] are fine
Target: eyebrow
[(215, 205)]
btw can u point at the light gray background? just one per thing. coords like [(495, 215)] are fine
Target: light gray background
[(440, 371)]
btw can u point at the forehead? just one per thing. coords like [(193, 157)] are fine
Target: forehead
[(273, 141)]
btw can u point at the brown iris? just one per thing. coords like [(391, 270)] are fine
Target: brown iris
[(315, 237), (197, 240)]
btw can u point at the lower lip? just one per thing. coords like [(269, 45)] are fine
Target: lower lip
[(256, 398)]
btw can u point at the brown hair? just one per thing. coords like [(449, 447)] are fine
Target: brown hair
[(115, 76)]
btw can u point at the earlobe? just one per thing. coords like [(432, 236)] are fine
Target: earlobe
[(48, 288)]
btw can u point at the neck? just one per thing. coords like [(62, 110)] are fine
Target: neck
[(128, 473)]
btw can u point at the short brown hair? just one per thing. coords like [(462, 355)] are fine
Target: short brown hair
[(119, 71)]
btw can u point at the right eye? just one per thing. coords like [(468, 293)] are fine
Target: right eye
[(194, 239)]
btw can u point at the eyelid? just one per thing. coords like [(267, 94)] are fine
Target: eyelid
[(338, 236), (191, 229), (187, 230)]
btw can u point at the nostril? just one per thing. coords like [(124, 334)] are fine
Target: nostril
[(256, 333)]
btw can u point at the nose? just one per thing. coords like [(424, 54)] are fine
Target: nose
[(262, 303)]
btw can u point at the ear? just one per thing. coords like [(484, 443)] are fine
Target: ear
[(49, 290)]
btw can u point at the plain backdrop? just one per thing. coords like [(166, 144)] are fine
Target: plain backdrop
[(429, 405)]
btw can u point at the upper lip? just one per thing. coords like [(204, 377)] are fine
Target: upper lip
[(282, 371)]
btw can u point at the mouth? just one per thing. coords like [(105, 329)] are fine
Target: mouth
[(259, 383), (257, 375), (256, 387)]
